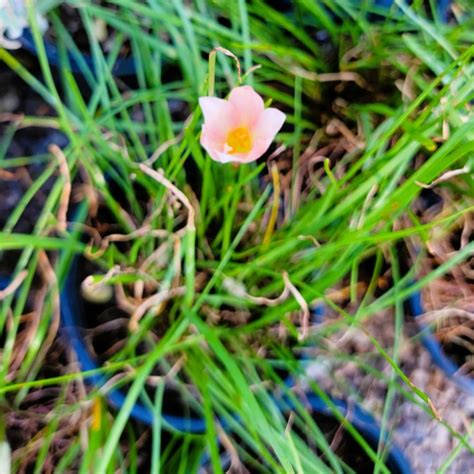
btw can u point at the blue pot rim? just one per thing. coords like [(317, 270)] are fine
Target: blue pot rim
[(432, 345), (4, 281), (70, 309), (122, 66)]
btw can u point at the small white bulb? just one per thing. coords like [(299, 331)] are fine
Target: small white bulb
[(96, 292)]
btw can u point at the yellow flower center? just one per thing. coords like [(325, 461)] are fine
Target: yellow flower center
[(239, 140)]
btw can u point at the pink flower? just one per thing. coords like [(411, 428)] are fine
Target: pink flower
[(239, 129)]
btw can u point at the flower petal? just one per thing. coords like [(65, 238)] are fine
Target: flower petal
[(223, 157), (259, 148), (245, 108), (212, 141), (269, 124), (219, 115), (248, 105)]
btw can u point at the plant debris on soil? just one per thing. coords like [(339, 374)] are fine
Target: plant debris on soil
[(129, 286)]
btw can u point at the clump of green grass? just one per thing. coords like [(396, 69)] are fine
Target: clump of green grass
[(373, 110)]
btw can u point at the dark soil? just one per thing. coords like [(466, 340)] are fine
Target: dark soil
[(16, 98), (71, 19), (449, 300)]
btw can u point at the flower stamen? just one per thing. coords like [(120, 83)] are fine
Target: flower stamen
[(239, 140)]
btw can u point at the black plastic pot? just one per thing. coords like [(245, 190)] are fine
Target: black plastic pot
[(432, 345), (122, 67), (362, 421)]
